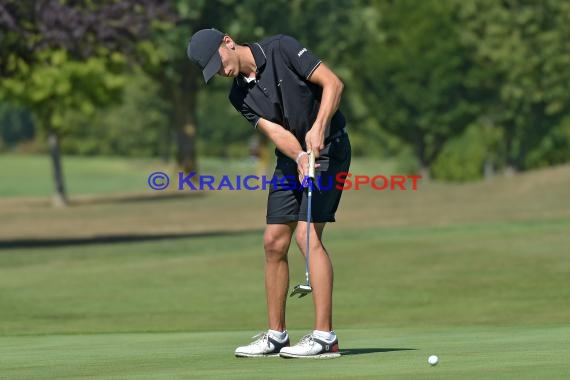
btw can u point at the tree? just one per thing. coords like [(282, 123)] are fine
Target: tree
[(165, 61), (180, 80), (60, 55), (135, 127), (416, 77), (522, 48)]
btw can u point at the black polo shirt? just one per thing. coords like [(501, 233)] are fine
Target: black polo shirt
[(281, 92)]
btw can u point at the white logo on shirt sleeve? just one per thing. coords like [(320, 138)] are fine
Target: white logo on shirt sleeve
[(300, 53)]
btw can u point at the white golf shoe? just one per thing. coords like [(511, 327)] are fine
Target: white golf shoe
[(265, 345), (311, 347)]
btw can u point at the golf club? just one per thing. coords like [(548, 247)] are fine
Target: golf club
[(303, 289)]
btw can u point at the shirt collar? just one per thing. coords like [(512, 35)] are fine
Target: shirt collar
[(258, 55), (259, 58)]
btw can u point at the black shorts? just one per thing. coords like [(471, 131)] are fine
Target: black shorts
[(287, 200)]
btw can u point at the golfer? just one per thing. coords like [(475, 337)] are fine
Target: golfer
[(291, 96)]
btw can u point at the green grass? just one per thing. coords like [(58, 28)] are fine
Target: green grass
[(475, 273), (501, 274), (401, 353), (32, 175)]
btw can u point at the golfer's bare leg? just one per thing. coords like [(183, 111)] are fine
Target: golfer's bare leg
[(321, 273), (276, 243)]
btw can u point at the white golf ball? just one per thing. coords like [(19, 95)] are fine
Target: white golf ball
[(433, 360)]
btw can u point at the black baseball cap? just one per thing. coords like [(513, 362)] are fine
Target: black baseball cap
[(203, 49)]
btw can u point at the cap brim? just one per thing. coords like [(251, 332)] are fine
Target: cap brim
[(212, 67)]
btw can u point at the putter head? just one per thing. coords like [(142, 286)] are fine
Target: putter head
[(302, 290)]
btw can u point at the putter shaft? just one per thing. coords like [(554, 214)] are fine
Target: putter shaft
[(306, 288)]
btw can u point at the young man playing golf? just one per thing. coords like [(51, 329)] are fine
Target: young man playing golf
[(288, 94)]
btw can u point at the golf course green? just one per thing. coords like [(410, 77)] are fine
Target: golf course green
[(165, 286)]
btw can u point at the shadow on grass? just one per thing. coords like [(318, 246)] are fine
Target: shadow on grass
[(134, 197), (112, 239), (14, 203), (364, 351)]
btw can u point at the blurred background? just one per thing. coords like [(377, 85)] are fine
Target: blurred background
[(474, 95), (454, 90)]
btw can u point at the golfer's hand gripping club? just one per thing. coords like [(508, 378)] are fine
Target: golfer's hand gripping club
[(311, 173)]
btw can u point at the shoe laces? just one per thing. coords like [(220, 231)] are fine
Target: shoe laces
[(260, 339), (307, 340)]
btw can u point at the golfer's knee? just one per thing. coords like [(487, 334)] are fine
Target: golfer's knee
[(275, 246), (301, 239)]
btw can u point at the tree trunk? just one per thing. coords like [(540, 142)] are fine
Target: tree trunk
[(422, 160), (425, 171), (492, 148), (511, 167), (489, 169), (186, 154), (60, 196), (185, 120)]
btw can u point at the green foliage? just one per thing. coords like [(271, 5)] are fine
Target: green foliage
[(415, 77), (553, 149), (60, 56), (223, 132), (521, 49), (464, 157), (416, 74), (57, 85), (407, 161), (16, 125), (138, 126)]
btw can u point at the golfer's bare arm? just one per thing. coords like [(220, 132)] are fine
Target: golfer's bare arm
[(284, 140), (332, 90)]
